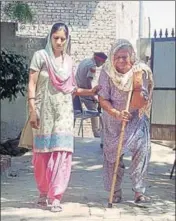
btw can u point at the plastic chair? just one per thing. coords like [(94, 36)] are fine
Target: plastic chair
[(79, 113)]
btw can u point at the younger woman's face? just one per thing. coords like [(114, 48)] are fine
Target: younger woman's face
[(58, 40), (122, 61)]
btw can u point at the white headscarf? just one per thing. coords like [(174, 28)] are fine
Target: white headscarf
[(124, 82), (60, 71), (61, 75), (121, 81)]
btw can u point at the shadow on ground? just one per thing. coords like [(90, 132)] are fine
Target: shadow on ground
[(86, 187)]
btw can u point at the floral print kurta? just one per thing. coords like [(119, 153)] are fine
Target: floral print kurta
[(55, 111), (136, 138)]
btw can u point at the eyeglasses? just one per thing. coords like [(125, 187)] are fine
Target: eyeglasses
[(118, 58)]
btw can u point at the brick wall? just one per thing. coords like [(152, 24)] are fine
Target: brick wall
[(93, 26)]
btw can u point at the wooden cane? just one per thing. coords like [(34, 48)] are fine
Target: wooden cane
[(119, 150)]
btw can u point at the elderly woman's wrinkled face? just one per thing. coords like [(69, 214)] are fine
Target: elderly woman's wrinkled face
[(122, 60)]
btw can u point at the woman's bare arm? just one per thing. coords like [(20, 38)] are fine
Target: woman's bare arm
[(83, 92), (86, 92), (107, 106), (119, 115), (33, 76)]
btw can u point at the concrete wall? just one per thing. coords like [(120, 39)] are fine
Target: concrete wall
[(25, 46), (127, 20), (144, 45)]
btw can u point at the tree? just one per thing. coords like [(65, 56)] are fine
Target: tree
[(19, 11), (14, 75)]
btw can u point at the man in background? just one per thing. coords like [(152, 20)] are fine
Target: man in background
[(85, 74)]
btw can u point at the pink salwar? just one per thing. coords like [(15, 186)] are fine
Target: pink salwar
[(52, 172)]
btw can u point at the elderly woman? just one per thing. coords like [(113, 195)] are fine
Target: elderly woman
[(50, 90), (117, 77)]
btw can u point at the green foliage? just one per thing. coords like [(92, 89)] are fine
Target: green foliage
[(14, 75), (19, 11)]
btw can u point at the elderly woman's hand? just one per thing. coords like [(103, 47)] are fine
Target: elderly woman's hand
[(123, 115), (137, 68)]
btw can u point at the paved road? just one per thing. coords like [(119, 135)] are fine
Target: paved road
[(85, 199)]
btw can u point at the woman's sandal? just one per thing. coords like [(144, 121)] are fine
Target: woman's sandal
[(42, 201), (49, 202), (142, 199), (56, 206), (117, 198)]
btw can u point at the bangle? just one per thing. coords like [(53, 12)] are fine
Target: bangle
[(31, 98)]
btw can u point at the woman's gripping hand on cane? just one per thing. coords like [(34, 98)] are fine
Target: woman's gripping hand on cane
[(122, 115)]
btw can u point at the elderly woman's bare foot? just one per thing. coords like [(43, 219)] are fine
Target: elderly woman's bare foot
[(141, 198), (117, 198)]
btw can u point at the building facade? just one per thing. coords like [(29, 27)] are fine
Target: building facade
[(93, 25)]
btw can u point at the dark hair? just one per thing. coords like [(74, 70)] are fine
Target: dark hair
[(59, 26)]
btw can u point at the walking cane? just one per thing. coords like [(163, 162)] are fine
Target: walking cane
[(119, 149)]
